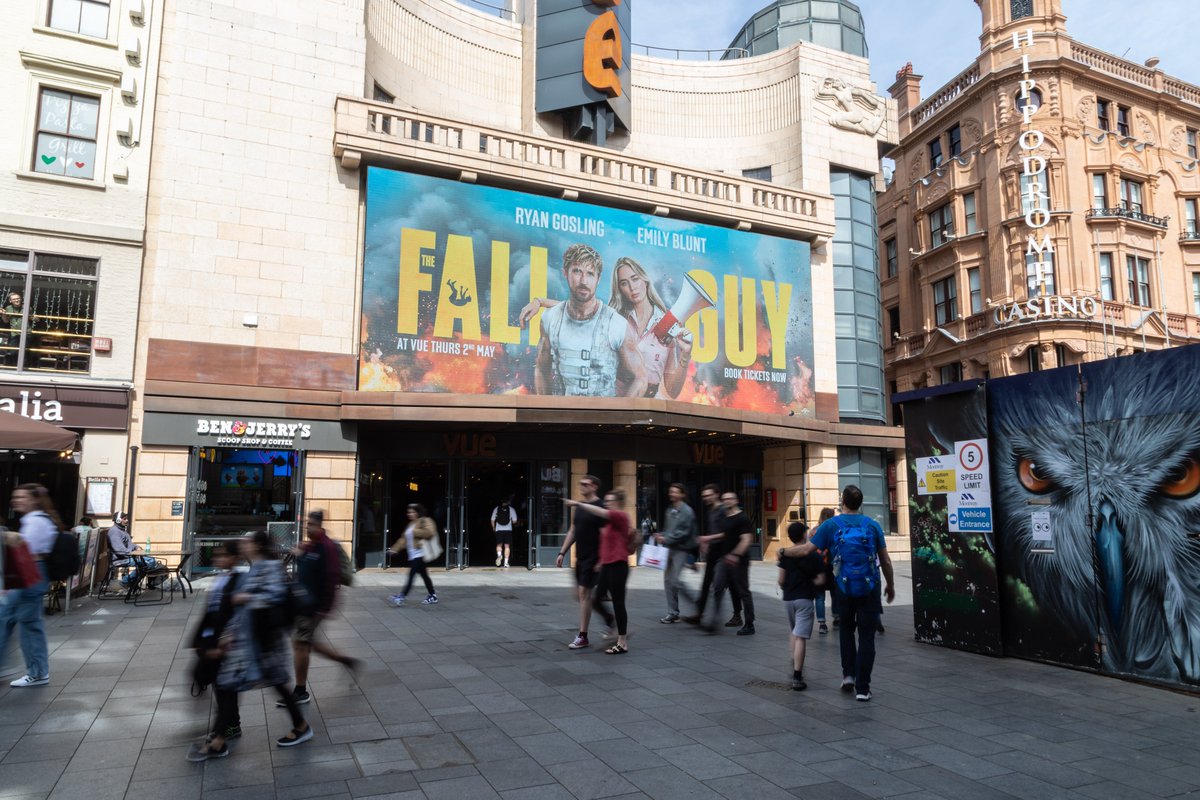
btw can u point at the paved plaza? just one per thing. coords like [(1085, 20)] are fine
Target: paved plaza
[(479, 697)]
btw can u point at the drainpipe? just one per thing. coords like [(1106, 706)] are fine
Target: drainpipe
[(133, 452)]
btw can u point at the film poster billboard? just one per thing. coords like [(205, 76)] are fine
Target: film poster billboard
[(472, 289)]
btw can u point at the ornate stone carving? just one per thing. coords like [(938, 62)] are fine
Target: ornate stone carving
[(855, 109), (1053, 92), (1178, 133), (916, 167), (1084, 109), (1132, 163), (974, 132), (938, 190), (1145, 129)]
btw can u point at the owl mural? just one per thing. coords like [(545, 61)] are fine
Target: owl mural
[(1120, 475)]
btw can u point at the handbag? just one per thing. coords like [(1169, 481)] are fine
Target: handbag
[(431, 549), (20, 570), (654, 556)]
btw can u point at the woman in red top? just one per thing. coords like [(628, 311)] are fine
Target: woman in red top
[(614, 559)]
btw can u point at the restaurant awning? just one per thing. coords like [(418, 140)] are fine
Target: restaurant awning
[(22, 433)]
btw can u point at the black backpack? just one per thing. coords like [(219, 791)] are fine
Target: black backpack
[(63, 560), (503, 515)]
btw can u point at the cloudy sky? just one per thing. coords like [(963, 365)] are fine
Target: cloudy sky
[(942, 44)]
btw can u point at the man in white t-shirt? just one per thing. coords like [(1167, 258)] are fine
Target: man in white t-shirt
[(504, 516)]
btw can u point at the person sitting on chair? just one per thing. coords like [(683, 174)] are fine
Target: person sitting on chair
[(122, 548)]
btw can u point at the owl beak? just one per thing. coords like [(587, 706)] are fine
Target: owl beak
[(1110, 552)]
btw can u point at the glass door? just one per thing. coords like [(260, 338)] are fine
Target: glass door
[(426, 483), (488, 484), (549, 520)]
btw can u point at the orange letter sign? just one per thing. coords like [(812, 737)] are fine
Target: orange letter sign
[(602, 54)]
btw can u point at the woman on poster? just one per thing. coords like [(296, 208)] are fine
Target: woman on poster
[(634, 297)]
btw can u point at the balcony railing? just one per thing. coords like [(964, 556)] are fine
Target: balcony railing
[(1127, 213), (945, 95), (1190, 236), (385, 133)]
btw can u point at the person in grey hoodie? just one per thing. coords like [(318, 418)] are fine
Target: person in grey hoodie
[(679, 535)]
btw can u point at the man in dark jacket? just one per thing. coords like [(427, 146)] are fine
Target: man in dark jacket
[(319, 571)]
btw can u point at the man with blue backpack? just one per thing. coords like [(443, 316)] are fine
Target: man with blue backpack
[(858, 553)]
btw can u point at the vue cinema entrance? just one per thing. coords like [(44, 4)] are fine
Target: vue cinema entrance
[(460, 496)]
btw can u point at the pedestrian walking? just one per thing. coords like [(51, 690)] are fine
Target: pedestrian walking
[(206, 641), (826, 514), (420, 529), (679, 536), (732, 572), (319, 571), (255, 652), (798, 578), (504, 516), (617, 542), (855, 541), (710, 495), (22, 608), (584, 536)]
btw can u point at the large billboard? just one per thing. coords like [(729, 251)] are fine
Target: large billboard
[(477, 290)]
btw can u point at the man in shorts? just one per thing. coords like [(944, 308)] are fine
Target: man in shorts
[(584, 533), (319, 571), (504, 516)]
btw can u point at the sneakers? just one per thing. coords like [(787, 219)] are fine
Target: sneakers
[(863, 697), (579, 643), (670, 619), (847, 684), (397, 600), (823, 629), (206, 753), (610, 632), (499, 560), (301, 696), (746, 630), (232, 732), (798, 685), (836, 620), (430, 601), (735, 621), (693, 619), (295, 737), (29, 680), (506, 563)]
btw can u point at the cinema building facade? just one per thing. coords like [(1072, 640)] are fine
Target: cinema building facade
[(455, 257), (1043, 210)]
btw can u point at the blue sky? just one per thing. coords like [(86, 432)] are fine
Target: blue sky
[(941, 44)]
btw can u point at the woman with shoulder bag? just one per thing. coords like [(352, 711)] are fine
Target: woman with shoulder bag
[(420, 529), (256, 653)]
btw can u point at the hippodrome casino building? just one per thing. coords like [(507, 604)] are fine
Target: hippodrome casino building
[(351, 202)]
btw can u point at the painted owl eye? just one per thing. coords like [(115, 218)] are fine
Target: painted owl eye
[(1183, 480), (1033, 477)]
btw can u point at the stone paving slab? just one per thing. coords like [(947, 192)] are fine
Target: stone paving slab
[(479, 697)]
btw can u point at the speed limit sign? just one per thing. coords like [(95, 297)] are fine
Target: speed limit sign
[(971, 464), (971, 457)]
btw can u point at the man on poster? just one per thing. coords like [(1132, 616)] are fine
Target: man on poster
[(585, 344)]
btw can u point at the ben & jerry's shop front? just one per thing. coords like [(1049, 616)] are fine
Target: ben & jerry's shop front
[(237, 474)]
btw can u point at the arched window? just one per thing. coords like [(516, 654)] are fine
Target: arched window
[(1021, 9)]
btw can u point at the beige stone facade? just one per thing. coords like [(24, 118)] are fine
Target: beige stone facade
[(79, 90), (253, 273), (1120, 196)]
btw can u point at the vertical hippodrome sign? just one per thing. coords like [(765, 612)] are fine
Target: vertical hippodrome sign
[(1038, 215)]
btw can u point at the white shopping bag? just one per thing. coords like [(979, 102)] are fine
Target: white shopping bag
[(654, 556)]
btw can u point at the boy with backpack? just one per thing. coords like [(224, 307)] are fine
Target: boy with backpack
[(854, 541), (503, 519)]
